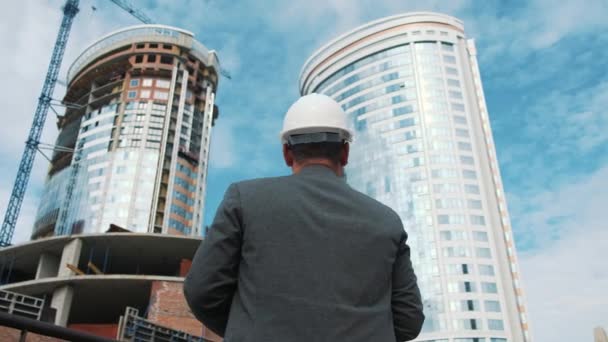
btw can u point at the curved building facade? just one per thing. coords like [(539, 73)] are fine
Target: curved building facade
[(134, 140), (424, 146)]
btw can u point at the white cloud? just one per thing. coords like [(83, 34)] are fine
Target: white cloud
[(223, 152), (569, 17), (566, 276), (579, 119)]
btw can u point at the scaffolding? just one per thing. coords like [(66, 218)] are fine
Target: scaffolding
[(131, 327)]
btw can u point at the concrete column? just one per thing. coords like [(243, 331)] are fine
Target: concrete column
[(62, 303), (70, 255), (48, 266)]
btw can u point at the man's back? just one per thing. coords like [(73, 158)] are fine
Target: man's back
[(313, 260)]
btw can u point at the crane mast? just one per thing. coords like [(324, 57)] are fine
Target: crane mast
[(70, 9)]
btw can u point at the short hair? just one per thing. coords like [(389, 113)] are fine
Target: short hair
[(331, 151)]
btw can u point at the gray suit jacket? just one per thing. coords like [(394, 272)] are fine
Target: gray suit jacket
[(304, 258)]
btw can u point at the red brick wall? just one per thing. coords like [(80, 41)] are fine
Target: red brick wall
[(9, 335), (168, 307), (184, 267), (104, 330)]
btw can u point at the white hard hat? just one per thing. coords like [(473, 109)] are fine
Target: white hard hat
[(316, 113)]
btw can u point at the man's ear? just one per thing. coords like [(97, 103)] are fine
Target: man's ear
[(344, 155), (287, 155)]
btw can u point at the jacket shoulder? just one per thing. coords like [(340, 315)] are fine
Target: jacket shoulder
[(253, 185), (386, 213)]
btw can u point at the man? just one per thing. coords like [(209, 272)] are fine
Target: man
[(305, 257)]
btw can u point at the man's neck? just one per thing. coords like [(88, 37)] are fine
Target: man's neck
[(337, 169)]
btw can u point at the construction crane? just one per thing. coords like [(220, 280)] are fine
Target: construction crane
[(70, 9), (133, 11)]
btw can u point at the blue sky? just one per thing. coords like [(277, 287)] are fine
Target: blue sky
[(544, 70)]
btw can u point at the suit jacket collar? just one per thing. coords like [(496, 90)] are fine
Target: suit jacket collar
[(319, 170)]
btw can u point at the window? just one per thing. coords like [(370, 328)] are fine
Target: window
[(462, 132), (465, 146), (459, 107), (134, 83), (495, 324), (457, 269), (446, 188), (451, 71), (455, 235), (439, 131), (460, 120), (455, 95), (466, 160), (480, 236), (453, 83), (166, 60), (478, 220), (151, 58), (153, 46), (473, 204), (491, 305), (144, 94), (444, 173), (467, 174), (147, 82), (470, 339), (471, 189), (449, 59), (139, 58), (449, 203), (482, 252), (456, 252), (166, 46), (161, 95), (447, 47), (132, 94), (496, 339), (441, 145), (488, 287), (467, 324), (464, 305), (163, 84), (486, 270)]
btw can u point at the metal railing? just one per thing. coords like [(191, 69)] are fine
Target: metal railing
[(21, 305), (47, 329), (131, 327)]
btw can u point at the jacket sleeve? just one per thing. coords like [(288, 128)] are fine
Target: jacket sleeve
[(212, 281), (406, 301)]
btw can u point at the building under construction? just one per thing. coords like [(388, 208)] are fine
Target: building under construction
[(134, 140), (122, 209)]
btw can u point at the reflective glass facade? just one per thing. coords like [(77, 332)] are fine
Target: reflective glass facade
[(421, 147)]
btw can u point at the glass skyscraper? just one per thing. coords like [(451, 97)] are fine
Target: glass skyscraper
[(134, 140), (423, 146)]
